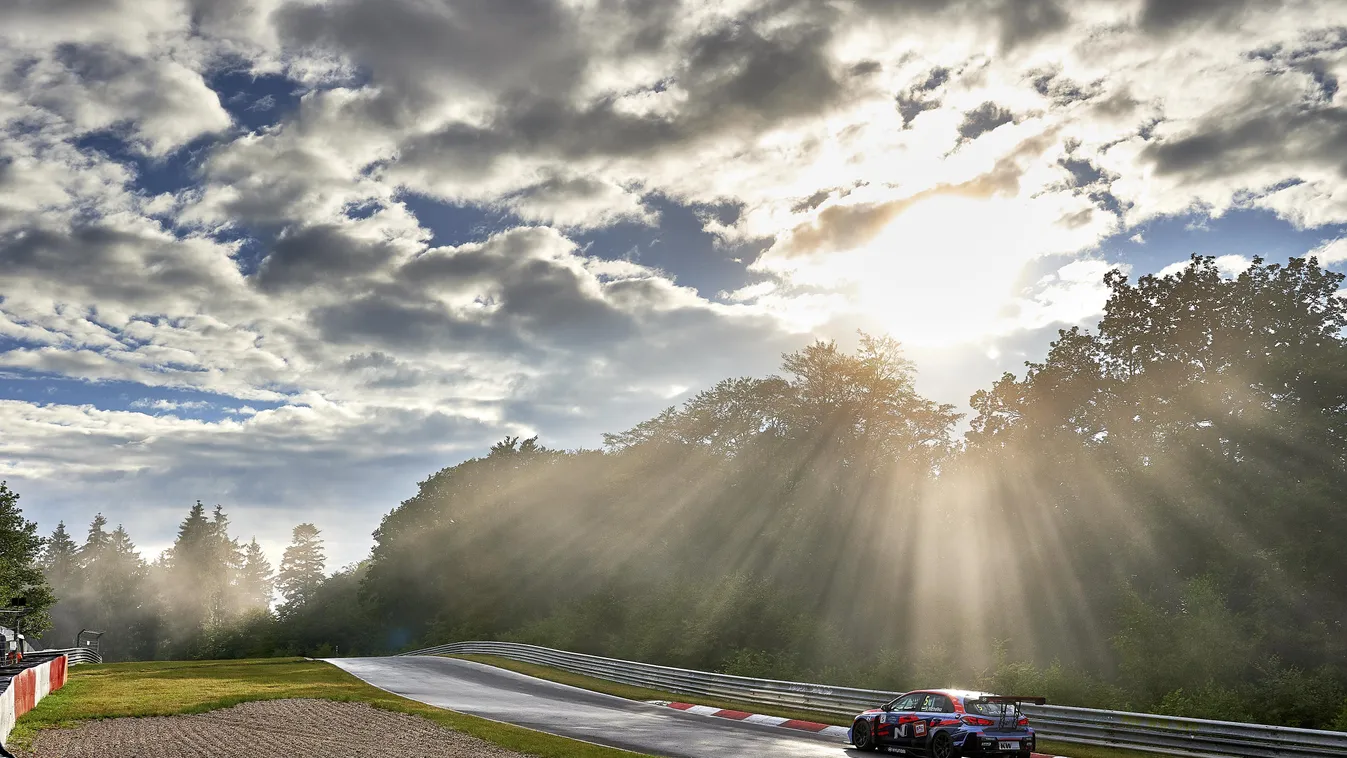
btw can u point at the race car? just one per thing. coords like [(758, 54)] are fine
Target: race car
[(947, 724)]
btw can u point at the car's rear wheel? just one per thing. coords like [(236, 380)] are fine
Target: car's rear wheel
[(861, 736), (942, 745)]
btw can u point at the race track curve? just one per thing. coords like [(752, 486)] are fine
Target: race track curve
[(502, 695)]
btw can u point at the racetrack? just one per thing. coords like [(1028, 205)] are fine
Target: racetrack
[(502, 695)]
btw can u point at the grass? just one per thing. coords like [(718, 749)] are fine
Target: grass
[(165, 688), (642, 693)]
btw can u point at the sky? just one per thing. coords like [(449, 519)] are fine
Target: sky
[(292, 257)]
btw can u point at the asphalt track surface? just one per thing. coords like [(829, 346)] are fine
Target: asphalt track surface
[(502, 695)]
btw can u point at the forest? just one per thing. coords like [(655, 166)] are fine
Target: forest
[(1151, 518)]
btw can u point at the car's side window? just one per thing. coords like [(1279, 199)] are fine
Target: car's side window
[(933, 703), (908, 702)]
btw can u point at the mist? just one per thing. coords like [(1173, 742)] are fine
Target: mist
[(1151, 518)]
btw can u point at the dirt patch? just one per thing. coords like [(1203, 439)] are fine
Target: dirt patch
[(268, 729)]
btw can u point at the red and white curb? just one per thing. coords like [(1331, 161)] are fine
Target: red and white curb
[(26, 688), (839, 732), (756, 718)]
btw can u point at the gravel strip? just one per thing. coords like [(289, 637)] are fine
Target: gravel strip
[(267, 729)]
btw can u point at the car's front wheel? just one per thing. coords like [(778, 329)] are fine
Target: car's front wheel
[(861, 736), (942, 745)]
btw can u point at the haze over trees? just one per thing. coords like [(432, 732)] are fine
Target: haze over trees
[(1150, 518)]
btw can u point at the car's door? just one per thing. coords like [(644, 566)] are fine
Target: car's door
[(901, 717), (932, 712)]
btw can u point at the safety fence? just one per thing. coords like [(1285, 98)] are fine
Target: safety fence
[(1137, 731), (76, 655)]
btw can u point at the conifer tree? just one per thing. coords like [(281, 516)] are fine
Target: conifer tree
[(95, 543), (301, 567), (60, 560), (60, 564), (255, 579)]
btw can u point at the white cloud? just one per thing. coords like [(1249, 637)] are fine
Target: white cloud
[(905, 164), (1332, 251)]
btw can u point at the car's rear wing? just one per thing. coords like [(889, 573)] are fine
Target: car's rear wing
[(1013, 699)]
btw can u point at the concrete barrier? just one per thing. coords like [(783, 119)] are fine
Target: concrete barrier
[(25, 684)]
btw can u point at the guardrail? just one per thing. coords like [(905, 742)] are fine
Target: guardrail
[(1136, 731), (76, 655)]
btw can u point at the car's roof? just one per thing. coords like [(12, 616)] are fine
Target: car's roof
[(961, 694)]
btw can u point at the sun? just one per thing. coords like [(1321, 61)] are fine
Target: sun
[(946, 270)]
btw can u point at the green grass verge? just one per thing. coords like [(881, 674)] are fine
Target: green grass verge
[(642, 693), (166, 688)]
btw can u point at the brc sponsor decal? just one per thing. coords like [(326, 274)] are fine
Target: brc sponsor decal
[(919, 729)]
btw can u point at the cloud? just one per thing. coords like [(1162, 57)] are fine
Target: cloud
[(983, 119), (1330, 252), (896, 165)]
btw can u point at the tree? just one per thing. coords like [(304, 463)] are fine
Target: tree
[(61, 565), (60, 560), (225, 585), (118, 599), (20, 571), (301, 567), (190, 573), (255, 579)]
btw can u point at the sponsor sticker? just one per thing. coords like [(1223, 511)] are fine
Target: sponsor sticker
[(919, 729)]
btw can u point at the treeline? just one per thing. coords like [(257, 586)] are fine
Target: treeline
[(207, 596), (1151, 518)]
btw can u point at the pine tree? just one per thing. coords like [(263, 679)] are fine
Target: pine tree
[(60, 563), (225, 590), (301, 567), (191, 572), (122, 604), (95, 543), (255, 579), (60, 560), (20, 574)]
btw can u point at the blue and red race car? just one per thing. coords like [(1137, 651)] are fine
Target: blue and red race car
[(947, 724)]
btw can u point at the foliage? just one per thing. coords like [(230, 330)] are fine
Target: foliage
[(20, 573), (301, 567), (1150, 518)]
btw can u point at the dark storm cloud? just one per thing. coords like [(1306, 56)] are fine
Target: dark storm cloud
[(1164, 16), (738, 80), (526, 294), (394, 322), (107, 263), (323, 254), (1245, 138), (494, 45), (983, 119), (1024, 21), (1011, 22)]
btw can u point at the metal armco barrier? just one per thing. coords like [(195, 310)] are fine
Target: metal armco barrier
[(76, 655), (1136, 731)]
